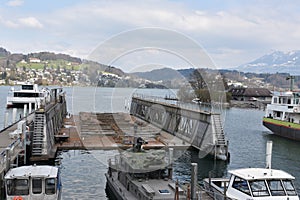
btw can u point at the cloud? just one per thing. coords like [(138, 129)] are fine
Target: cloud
[(231, 33), (30, 22), (14, 3)]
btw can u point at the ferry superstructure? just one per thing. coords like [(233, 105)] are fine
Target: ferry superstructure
[(28, 94), (283, 115)]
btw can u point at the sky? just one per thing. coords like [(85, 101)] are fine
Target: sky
[(171, 33)]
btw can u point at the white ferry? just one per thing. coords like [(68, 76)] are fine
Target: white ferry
[(283, 115), (254, 184), (28, 94), (33, 182)]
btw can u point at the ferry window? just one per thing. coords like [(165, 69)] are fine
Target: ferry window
[(27, 87), (17, 187), (37, 187), (283, 100), (276, 188), (21, 94), (275, 100), (297, 101), (289, 187), (241, 185), (259, 188), (289, 101), (50, 186)]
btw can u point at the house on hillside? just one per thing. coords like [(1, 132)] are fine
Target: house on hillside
[(251, 94), (34, 60)]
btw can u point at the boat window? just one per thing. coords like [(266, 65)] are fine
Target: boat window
[(241, 185), (297, 101), (259, 188), (24, 94), (37, 187), (27, 87), (50, 186), (289, 187), (284, 100), (277, 114), (17, 187), (289, 101), (275, 100), (276, 188)]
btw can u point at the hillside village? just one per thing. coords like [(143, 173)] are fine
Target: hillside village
[(47, 68)]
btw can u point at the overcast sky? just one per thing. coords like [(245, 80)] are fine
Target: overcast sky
[(231, 32)]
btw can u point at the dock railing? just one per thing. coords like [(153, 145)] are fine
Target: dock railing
[(201, 107), (9, 154)]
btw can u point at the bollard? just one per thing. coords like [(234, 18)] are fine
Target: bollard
[(194, 179), (25, 110), (6, 120), (29, 108), (14, 114)]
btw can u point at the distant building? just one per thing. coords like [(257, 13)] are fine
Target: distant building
[(34, 60), (250, 94)]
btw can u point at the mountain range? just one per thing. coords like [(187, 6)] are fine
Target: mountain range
[(275, 62)]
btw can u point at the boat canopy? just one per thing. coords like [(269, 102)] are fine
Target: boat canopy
[(261, 174), (32, 171)]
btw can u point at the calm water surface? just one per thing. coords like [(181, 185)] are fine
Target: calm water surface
[(83, 171)]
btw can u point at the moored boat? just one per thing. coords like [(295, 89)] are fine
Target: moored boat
[(283, 115), (254, 183), (33, 182), (28, 94), (138, 174)]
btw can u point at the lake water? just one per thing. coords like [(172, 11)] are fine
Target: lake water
[(83, 171)]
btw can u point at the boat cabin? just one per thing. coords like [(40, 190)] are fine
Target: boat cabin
[(284, 106), (33, 182), (260, 183)]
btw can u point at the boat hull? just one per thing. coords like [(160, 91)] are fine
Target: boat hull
[(284, 129)]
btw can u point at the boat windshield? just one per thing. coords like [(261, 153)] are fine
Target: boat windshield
[(37, 185), (289, 187), (50, 186), (259, 188), (276, 188), (17, 187)]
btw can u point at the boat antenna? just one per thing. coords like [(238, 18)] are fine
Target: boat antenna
[(269, 154), (292, 78)]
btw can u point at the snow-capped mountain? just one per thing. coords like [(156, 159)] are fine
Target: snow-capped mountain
[(277, 61)]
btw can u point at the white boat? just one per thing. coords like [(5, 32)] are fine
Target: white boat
[(32, 183), (28, 94), (283, 115), (254, 184)]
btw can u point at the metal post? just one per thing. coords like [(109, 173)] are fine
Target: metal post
[(269, 154), (170, 161), (194, 179), (6, 120), (225, 190), (29, 108), (14, 114), (7, 154), (25, 110)]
